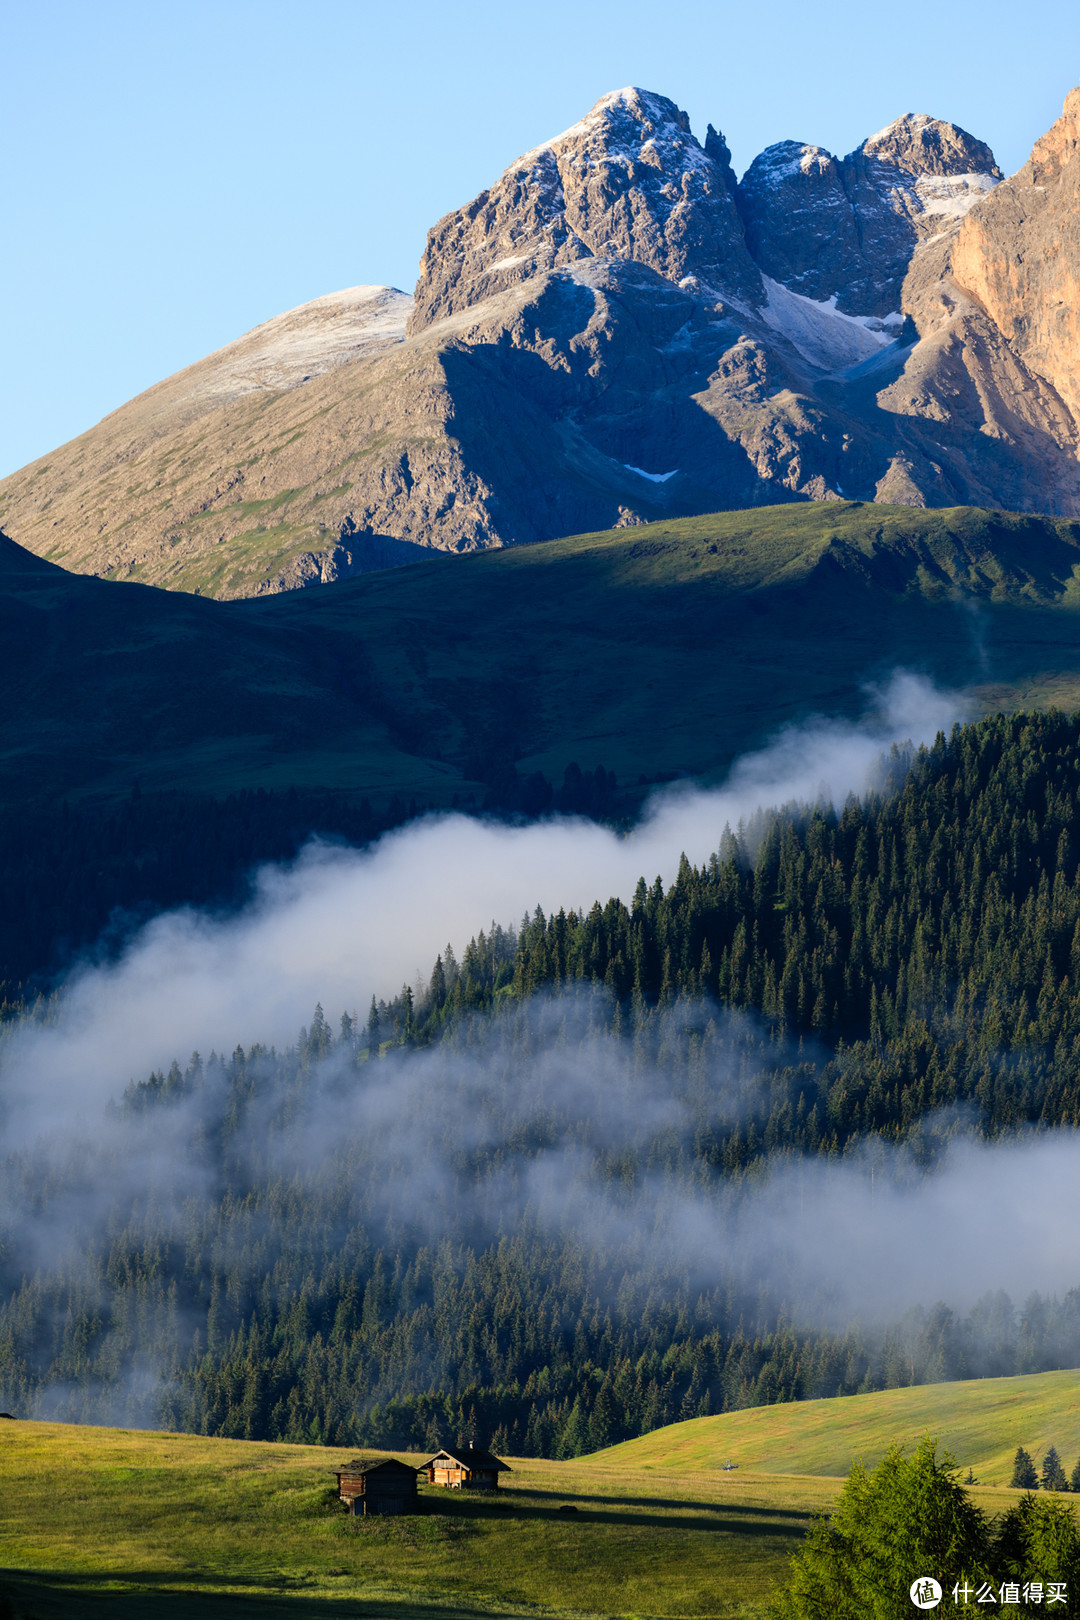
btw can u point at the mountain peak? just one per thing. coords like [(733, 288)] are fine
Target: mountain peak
[(920, 145), (629, 181), (630, 336), (785, 158), (846, 229), (620, 111)]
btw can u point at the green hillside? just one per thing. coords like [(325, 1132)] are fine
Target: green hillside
[(675, 648), (981, 1421), (145, 1526), (667, 649)]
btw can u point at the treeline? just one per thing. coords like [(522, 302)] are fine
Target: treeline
[(81, 876), (1026, 1477)]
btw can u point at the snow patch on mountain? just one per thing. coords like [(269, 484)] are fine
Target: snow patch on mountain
[(783, 160), (907, 123), (822, 333), (654, 478), (953, 194)]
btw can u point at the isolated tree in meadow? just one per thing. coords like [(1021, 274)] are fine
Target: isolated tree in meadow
[(907, 1518), (1024, 1476), (1053, 1475), (1074, 1478)]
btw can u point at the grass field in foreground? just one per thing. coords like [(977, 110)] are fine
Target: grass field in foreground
[(981, 1421), (133, 1524), (127, 1523)]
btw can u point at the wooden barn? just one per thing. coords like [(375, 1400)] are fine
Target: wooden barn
[(377, 1487), (465, 1466)]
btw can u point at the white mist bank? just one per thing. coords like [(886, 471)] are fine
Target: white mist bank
[(544, 1120), (862, 1237), (339, 925)]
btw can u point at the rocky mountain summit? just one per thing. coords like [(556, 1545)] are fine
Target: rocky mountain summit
[(629, 182), (615, 331), (847, 229)]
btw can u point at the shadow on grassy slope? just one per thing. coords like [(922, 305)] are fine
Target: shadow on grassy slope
[(669, 649), (668, 1512), (670, 1504), (155, 1594)]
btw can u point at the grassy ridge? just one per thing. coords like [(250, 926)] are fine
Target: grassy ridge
[(136, 1524), (981, 1421), (667, 649), (674, 648)]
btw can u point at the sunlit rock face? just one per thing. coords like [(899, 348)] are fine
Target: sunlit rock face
[(1019, 255), (629, 181)]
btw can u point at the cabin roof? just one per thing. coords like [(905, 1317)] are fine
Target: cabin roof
[(469, 1457), (372, 1466)]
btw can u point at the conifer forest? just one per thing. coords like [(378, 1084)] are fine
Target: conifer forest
[(465, 1213)]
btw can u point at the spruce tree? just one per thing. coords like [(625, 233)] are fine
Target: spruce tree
[(1053, 1475), (1037, 1539), (1024, 1476), (910, 1515), (1074, 1478)]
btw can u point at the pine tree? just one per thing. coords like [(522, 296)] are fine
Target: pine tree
[(1038, 1539), (1024, 1476), (1074, 1478), (1053, 1475)]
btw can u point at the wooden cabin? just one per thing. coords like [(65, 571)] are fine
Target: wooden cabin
[(465, 1466), (377, 1487)]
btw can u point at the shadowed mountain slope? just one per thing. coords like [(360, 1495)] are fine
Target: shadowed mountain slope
[(667, 650)]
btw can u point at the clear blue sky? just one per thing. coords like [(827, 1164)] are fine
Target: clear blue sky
[(176, 173)]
